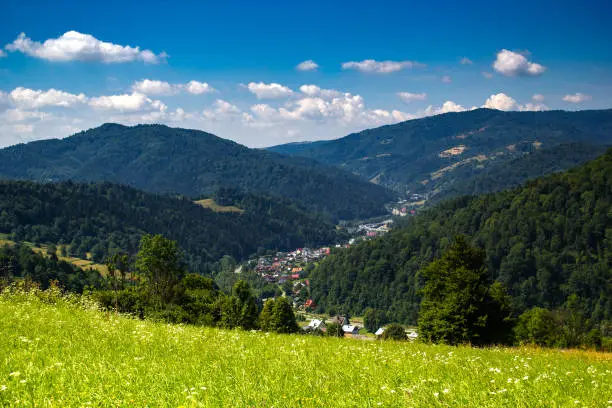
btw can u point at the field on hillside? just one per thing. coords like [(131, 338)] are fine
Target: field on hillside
[(43, 249), (67, 354), (210, 203)]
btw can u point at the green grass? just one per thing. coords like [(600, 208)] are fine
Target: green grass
[(66, 355), (210, 203)]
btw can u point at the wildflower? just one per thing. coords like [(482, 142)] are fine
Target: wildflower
[(526, 377), (3, 387), (23, 381), (436, 394), (15, 374), (576, 402), (446, 391)]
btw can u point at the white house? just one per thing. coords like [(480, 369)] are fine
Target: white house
[(380, 331), (315, 324), (350, 329)]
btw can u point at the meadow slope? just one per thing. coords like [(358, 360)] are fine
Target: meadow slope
[(65, 354)]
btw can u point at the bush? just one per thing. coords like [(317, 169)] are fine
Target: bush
[(394, 332)]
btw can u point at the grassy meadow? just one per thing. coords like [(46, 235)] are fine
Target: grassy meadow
[(62, 351)]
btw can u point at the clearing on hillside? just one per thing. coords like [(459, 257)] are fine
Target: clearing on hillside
[(210, 203)]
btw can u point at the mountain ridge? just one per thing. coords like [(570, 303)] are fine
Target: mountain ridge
[(161, 159)]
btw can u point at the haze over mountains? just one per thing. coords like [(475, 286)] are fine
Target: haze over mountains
[(430, 155)]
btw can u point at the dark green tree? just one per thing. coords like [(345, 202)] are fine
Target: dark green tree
[(456, 300), (159, 260), (373, 319), (248, 305), (334, 330), (265, 317), (283, 318), (394, 332)]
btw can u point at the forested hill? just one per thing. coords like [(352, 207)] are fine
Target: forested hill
[(545, 241), (157, 158), (102, 218), (430, 155)]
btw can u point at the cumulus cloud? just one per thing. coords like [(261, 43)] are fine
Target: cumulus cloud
[(269, 91), (410, 97), (308, 65), (31, 99), (198, 88), (448, 106), (538, 98), (314, 90), (155, 87), (380, 67), (466, 61), (514, 64), (75, 46), (134, 102), (577, 98), (2, 54), (446, 79), (222, 110), (503, 102)]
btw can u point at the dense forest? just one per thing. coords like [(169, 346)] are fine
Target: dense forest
[(103, 218), (19, 261), (430, 155), (547, 242), (159, 159)]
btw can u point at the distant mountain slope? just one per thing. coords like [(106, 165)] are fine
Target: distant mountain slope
[(509, 173), (430, 154), (101, 218), (545, 241), (157, 158)]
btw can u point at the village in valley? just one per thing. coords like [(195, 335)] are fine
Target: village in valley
[(290, 271)]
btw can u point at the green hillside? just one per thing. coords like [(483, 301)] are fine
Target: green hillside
[(160, 159), (545, 241), (430, 155), (61, 352), (101, 218)]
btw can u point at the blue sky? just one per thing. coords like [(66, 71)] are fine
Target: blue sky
[(376, 63)]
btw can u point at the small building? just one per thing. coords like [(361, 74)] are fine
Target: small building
[(350, 330), (380, 331), (412, 335), (315, 324)]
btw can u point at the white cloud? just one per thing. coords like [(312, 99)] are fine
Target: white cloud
[(198, 88), (577, 98), (448, 106), (446, 79), (308, 65), (514, 64), (410, 97), (380, 67), (314, 90), (154, 87), (466, 61), (75, 46), (487, 75), (18, 115), (31, 99), (2, 54), (503, 102), (269, 91), (222, 110), (134, 102), (538, 98)]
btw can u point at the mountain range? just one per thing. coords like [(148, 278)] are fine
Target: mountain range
[(160, 159), (448, 152)]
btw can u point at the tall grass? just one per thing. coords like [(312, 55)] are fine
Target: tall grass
[(61, 351)]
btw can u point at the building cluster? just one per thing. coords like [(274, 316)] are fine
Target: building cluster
[(375, 229), (285, 266)]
